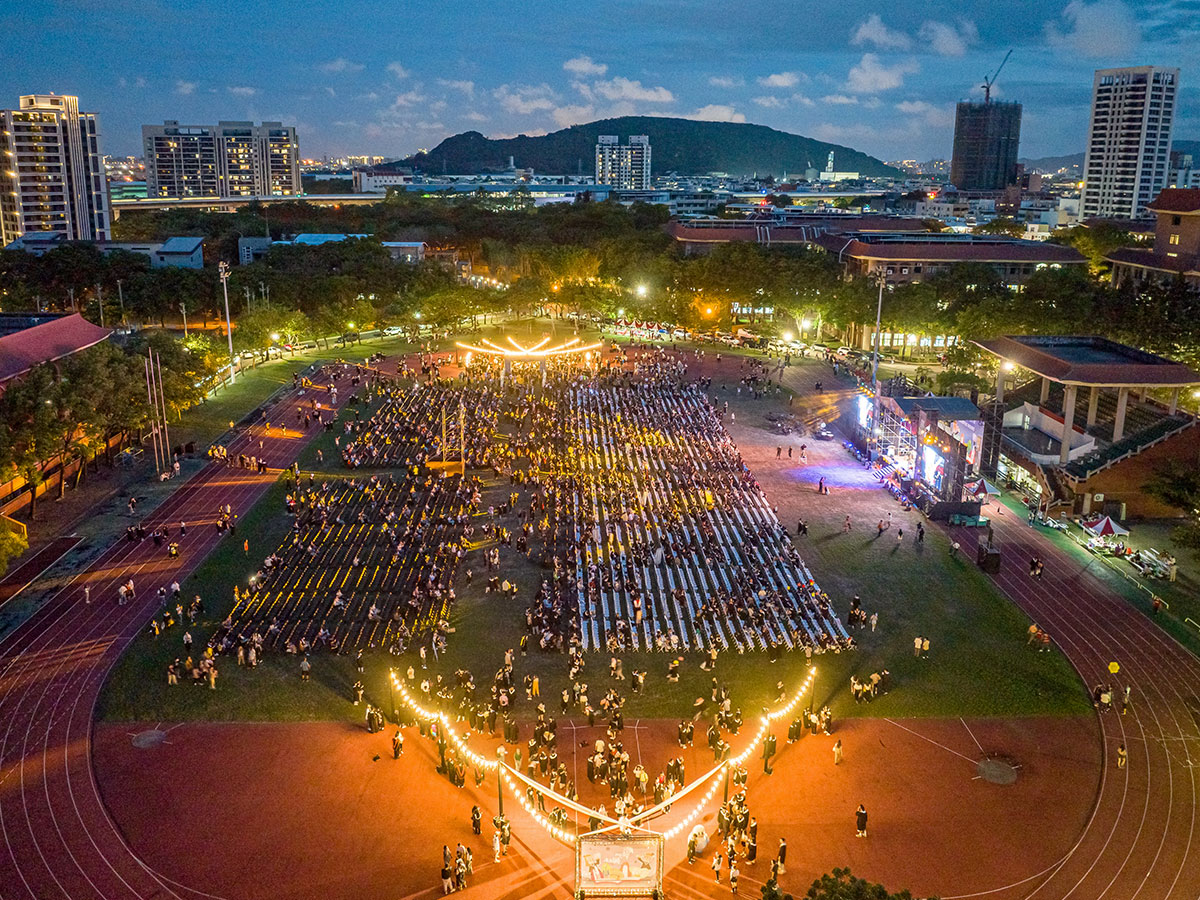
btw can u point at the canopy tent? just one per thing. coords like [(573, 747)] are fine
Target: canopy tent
[(982, 488), (1105, 527)]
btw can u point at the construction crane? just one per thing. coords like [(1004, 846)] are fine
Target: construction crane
[(988, 81)]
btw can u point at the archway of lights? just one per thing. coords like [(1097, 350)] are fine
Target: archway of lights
[(512, 776)]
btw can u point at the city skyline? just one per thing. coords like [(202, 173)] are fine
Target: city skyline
[(884, 81)]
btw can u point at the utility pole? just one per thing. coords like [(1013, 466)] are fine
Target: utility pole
[(249, 299), (162, 397), (100, 303), (183, 311), (223, 271), (121, 298)]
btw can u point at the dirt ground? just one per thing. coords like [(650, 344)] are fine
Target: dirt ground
[(322, 810)]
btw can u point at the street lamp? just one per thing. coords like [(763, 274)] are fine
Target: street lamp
[(641, 290), (787, 336), (417, 314), (274, 337), (223, 271)]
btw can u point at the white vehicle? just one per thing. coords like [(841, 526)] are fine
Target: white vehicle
[(392, 329)]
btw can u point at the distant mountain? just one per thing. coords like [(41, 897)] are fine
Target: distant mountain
[(1054, 163), (677, 145), (1048, 164)]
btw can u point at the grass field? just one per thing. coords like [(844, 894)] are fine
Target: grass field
[(979, 664)]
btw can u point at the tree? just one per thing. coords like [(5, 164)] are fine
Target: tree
[(1001, 225), (1178, 485), (12, 545), (841, 885)]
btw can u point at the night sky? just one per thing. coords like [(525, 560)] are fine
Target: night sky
[(390, 77)]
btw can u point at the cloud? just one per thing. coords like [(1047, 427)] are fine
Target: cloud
[(874, 32), (1106, 28), (408, 98), (396, 70), (780, 80), (525, 99), (726, 81), (473, 116), (341, 65), (940, 116), (949, 40), (185, 87), (624, 89), (465, 87), (717, 112), (565, 116), (839, 100), (802, 100), (584, 66), (844, 133), (871, 76), (769, 102), (330, 91), (241, 91)]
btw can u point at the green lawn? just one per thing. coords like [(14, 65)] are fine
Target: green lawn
[(979, 663), (209, 420)]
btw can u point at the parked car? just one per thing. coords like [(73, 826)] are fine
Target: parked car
[(393, 329)]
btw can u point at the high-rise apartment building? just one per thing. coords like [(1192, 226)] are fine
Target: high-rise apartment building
[(229, 159), (623, 166), (1129, 140), (51, 170), (986, 138)]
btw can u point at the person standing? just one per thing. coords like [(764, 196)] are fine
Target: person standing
[(860, 818), (716, 865), (1122, 756), (837, 752), (917, 647), (496, 846), (733, 878), (398, 746), (476, 819), (781, 857)]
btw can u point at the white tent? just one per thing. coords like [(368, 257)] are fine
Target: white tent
[(1105, 527)]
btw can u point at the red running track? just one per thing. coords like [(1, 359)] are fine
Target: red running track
[(57, 839), (1141, 841)]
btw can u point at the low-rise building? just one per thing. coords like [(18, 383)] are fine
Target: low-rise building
[(906, 258), (380, 179), (1176, 251), (177, 252)]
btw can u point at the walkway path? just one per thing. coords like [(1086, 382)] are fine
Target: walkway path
[(56, 837)]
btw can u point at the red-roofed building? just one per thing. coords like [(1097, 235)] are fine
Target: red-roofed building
[(912, 258), (45, 341), (701, 235), (1176, 252)]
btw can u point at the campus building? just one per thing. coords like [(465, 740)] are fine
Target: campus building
[(1176, 251), (1129, 140), (229, 159), (625, 167), (909, 258), (51, 170), (986, 138), (1086, 423)]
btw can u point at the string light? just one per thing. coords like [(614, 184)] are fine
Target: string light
[(537, 351), (507, 772)]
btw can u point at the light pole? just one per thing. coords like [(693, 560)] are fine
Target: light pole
[(223, 270), (121, 298), (183, 312), (873, 437)]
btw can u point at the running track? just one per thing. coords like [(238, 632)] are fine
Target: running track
[(59, 841), (56, 837), (1142, 840)]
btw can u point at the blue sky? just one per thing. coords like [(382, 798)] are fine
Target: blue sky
[(388, 78)]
